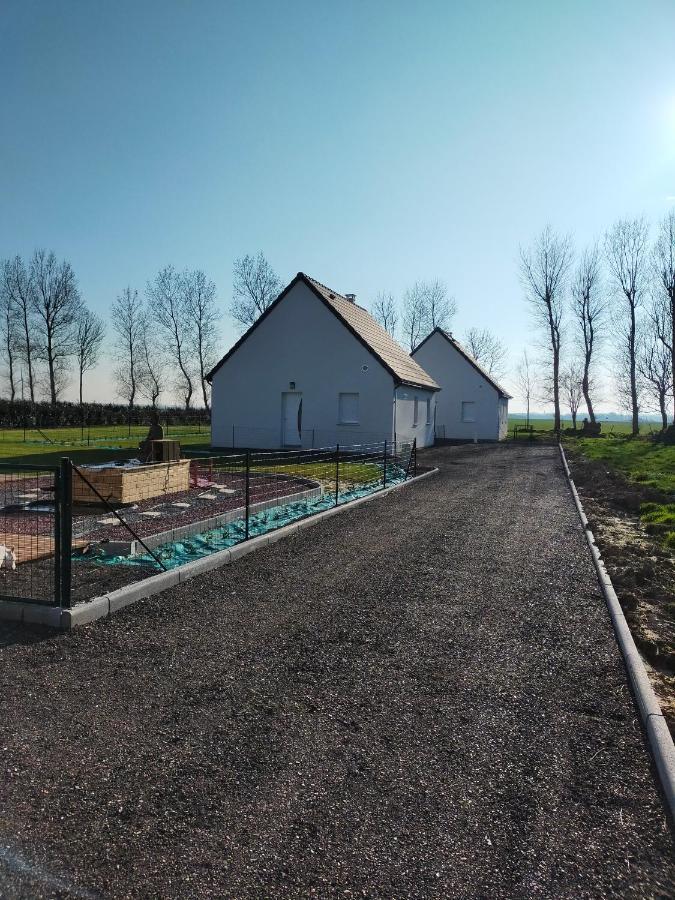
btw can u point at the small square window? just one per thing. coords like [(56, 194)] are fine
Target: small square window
[(468, 411), (348, 409)]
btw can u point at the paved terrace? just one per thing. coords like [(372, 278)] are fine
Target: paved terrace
[(421, 697)]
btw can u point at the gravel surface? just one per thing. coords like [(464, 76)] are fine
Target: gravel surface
[(421, 697)]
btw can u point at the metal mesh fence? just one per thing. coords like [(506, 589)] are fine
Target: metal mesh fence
[(29, 534), (115, 524)]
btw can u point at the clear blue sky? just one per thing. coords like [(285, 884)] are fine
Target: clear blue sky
[(367, 143)]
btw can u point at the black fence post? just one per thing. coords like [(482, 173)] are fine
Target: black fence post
[(248, 487), (384, 467), (65, 546), (337, 472)]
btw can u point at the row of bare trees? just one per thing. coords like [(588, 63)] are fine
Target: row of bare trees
[(620, 293), (168, 340), (427, 305), (45, 326)]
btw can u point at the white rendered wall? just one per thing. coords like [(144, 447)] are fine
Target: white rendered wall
[(406, 430), (460, 382), (301, 341)]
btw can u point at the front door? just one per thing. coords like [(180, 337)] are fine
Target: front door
[(291, 418)]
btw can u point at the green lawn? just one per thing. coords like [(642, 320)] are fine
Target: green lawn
[(608, 428), (644, 462), (640, 460), (111, 443), (95, 445)]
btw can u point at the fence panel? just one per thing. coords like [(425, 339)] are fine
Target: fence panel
[(115, 524), (30, 534)]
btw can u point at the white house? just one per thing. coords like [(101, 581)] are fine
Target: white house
[(471, 405), (317, 370)]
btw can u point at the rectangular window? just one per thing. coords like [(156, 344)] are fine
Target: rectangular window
[(468, 411), (416, 411), (428, 411), (348, 409)]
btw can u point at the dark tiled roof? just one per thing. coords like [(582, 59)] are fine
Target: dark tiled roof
[(469, 358), (363, 326), (377, 338)]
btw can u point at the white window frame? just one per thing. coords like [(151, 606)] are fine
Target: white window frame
[(348, 421), (472, 404)]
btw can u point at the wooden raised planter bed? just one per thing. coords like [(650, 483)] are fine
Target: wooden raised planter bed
[(120, 484)]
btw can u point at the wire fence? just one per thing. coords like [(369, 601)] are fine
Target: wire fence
[(90, 529)]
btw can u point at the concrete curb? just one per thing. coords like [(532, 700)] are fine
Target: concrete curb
[(99, 607), (654, 722)]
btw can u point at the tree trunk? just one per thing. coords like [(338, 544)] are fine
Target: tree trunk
[(585, 386), (635, 424), (81, 379), (52, 372), (664, 411), (556, 388), (574, 420), (29, 355), (672, 346)]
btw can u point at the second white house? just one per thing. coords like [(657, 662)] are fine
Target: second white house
[(472, 406), (316, 370)]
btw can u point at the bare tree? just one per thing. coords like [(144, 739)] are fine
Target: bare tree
[(152, 365), (169, 308), (544, 268), (664, 264), (426, 305), (56, 302), (385, 311), (415, 317), (255, 287), (589, 308), (654, 359), (626, 253), (17, 283), (202, 322), (571, 381), (488, 350), (9, 332), (526, 381), (88, 341), (128, 323)]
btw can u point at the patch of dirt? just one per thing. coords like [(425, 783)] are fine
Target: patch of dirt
[(642, 569)]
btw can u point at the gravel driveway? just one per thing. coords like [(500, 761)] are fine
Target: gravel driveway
[(421, 697)]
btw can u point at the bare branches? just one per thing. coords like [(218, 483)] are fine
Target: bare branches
[(128, 322), (202, 320), (589, 309), (170, 311), (570, 381), (152, 365), (255, 287), (488, 350), (9, 333), (544, 269), (526, 381), (626, 254), (56, 302), (426, 305), (664, 266), (385, 311), (654, 361), (17, 284), (88, 340)]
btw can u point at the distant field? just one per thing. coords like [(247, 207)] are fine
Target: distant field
[(608, 428)]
